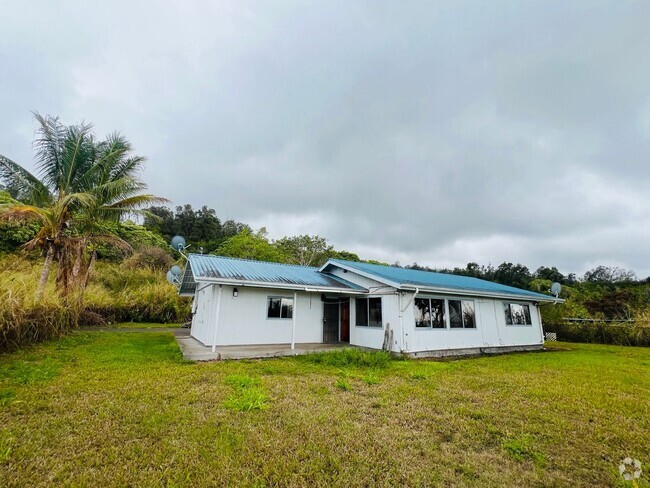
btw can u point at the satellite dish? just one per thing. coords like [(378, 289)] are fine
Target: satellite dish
[(170, 277), (175, 271), (556, 288), (178, 243)]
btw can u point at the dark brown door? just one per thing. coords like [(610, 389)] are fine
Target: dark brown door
[(345, 322), (330, 322)]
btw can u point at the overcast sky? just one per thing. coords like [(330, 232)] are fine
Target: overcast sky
[(436, 132)]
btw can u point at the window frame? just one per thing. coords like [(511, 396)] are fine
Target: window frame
[(367, 324), (444, 312), (523, 304), (447, 318), (281, 298)]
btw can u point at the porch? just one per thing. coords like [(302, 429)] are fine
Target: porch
[(193, 350)]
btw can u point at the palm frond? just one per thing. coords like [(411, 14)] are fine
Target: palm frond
[(48, 145), (79, 150), (26, 212), (31, 189)]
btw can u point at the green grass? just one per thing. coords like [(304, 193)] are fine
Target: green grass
[(115, 409)]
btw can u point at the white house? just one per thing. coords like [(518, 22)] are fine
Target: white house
[(420, 313)]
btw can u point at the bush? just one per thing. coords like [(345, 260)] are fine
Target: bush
[(150, 257), (623, 334)]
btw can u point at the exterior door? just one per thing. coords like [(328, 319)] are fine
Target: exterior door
[(345, 322), (330, 322)]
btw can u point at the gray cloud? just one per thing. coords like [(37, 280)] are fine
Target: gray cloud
[(440, 134)]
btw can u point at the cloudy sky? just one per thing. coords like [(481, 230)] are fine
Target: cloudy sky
[(436, 132)]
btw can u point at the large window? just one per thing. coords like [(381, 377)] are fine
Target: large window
[(430, 312), (279, 308), (461, 314), (368, 312), (517, 314)]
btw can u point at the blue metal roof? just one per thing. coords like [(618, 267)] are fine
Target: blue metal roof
[(418, 278), (206, 267)]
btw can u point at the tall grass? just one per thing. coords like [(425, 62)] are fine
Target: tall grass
[(22, 318), (621, 334), (115, 294)]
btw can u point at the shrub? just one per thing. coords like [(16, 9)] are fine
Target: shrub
[(150, 257), (623, 334)]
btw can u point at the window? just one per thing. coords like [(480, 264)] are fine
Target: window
[(368, 312), (279, 308), (461, 314), (430, 312), (517, 314)]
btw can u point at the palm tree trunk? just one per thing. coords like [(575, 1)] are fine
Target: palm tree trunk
[(86, 278), (49, 258)]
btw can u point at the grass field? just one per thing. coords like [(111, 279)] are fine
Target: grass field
[(124, 409)]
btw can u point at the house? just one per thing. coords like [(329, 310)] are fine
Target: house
[(420, 313)]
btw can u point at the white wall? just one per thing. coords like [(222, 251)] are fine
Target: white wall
[(200, 320), (373, 337), (491, 329), (242, 320)]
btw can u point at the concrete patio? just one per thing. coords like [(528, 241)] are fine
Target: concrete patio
[(193, 350)]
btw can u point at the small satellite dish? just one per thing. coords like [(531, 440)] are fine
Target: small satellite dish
[(176, 271), (170, 277), (178, 243), (556, 288)]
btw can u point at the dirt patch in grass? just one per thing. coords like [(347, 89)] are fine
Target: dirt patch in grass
[(116, 409)]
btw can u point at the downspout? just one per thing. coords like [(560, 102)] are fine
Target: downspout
[(293, 321), (216, 319)]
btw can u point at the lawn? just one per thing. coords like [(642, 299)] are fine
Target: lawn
[(124, 409)]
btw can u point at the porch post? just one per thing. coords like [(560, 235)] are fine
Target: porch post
[(293, 321), (216, 318)]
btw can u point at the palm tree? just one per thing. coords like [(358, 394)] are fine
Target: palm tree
[(82, 184)]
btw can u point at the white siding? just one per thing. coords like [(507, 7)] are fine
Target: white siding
[(242, 319), (367, 283), (204, 310), (373, 337), (491, 329)]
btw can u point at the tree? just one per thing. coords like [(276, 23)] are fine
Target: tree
[(607, 274), (82, 184), (251, 246), (201, 228), (551, 274), (305, 250), (516, 275)]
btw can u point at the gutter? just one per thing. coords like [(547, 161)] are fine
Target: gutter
[(487, 294), (284, 286)]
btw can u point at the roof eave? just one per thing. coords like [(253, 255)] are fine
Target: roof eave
[(281, 286), (478, 293)]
